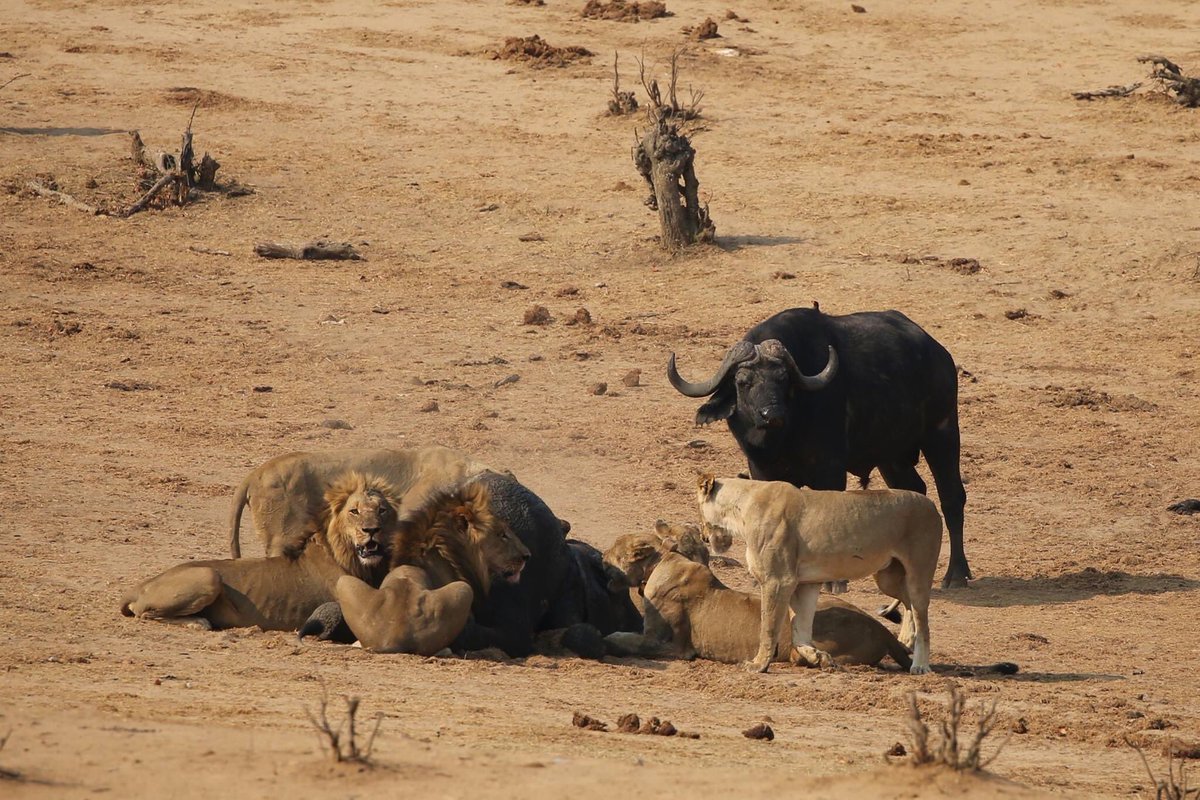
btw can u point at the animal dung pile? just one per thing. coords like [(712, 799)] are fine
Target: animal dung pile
[(622, 11), (538, 315), (537, 52), (632, 723), (761, 731)]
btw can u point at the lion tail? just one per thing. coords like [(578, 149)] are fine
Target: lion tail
[(235, 517)]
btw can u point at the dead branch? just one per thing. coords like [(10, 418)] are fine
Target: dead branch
[(622, 103), (342, 742), (62, 197), (1112, 91), (947, 750), (1174, 786), (169, 177), (314, 250), (160, 162), (208, 251), (15, 77), (1184, 88)]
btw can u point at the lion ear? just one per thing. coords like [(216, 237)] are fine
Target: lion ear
[(662, 527), (463, 516), (706, 484)]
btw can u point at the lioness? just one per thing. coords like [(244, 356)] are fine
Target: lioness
[(285, 493), (690, 613), (405, 614), (352, 537), (452, 543), (797, 538)]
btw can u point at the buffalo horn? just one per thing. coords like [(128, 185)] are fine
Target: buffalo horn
[(811, 383), (742, 351)]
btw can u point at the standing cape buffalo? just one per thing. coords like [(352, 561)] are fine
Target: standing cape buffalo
[(884, 391)]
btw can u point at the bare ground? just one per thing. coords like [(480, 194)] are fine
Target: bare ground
[(845, 149)]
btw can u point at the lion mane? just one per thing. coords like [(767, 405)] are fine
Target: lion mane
[(332, 529), (445, 536)]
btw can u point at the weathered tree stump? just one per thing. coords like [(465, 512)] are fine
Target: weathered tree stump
[(666, 160)]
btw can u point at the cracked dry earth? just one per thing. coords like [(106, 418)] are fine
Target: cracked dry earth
[(926, 157)]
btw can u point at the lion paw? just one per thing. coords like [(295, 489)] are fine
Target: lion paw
[(756, 666), (835, 587), (812, 657), (919, 669)]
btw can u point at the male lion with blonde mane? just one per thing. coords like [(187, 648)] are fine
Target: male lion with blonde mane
[(352, 535), (690, 613), (286, 492), (798, 538)]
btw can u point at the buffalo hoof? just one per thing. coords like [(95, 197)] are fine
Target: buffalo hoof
[(327, 624), (584, 641), (891, 613), (954, 581)]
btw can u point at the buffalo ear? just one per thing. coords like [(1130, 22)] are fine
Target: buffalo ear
[(720, 406)]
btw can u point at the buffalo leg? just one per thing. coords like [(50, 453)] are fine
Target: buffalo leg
[(942, 454)]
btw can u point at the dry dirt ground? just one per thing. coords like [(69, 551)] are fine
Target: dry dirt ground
[(859, 153)]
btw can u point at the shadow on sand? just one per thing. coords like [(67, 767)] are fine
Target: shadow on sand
[(999, 592)]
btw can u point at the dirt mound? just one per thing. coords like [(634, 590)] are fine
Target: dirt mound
[(537, 52), (1090, 398), (622, 11)]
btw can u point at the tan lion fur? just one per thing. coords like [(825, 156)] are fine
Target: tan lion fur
[(405, 615), (798, 538), (278, 593), (690, 613), (286, 493)]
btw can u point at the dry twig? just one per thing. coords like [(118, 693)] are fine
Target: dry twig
[(62, 197), (1174, 786), (15, 77), (342, 742), (947, 749)]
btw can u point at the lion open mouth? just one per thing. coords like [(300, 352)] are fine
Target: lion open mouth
[(369, 551), (513, 575)]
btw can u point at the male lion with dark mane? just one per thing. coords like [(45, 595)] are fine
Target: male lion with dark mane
[(453, 539), (351, 536)]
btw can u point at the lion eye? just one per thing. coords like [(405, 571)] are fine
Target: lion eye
[(354, 511)]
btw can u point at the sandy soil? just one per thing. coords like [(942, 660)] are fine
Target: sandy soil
[(859, 153)]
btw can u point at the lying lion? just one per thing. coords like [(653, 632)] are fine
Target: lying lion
[(445, 555), (285, 493), (405, 614), (690, 613), (352, 537), (798, 538)]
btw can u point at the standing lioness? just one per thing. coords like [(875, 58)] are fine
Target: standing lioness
[(798, 538)]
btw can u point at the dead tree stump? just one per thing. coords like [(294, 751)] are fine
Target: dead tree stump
[(666, 160)]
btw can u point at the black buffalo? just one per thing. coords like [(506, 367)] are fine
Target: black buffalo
[(810, 397)]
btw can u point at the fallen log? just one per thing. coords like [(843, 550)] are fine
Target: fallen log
[(63, 198), (315, 250)]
